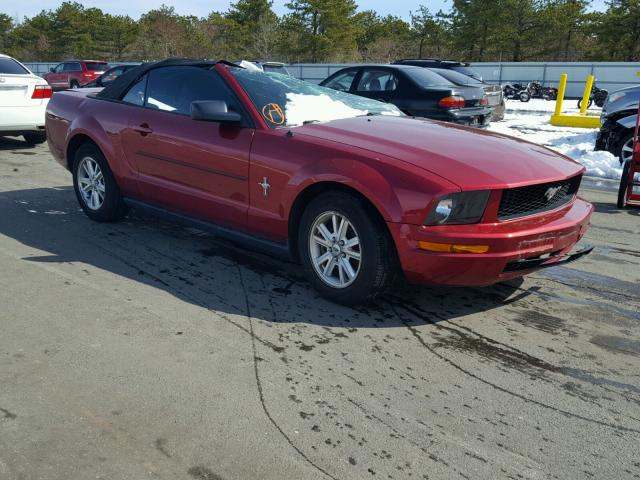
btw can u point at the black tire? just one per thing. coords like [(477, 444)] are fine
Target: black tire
[(74, 84), (113, 207), (524, 96), (588, 105), (378, 264), (35, 138), (624, 182), (624, 143)]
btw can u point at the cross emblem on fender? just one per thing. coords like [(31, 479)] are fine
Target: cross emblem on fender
[(265, 185)]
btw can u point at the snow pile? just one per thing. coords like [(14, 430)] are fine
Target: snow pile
[(530, 121), (547, 106), (321, 108)]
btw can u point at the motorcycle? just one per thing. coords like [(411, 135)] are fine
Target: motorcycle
[(511, 90), (598, 95), (536, 90)]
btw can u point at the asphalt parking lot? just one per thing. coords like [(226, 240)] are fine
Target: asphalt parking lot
[(146, 350)]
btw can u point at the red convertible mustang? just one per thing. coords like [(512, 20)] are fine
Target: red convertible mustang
[(349, 187)]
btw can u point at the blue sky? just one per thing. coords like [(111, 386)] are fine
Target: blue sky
[(203, 7)]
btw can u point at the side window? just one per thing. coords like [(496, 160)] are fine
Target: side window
[(343, 81), (135, 95), (174, 88), (59, 68), (71, 67), (377, 81)]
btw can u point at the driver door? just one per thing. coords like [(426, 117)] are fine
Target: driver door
[(377, 84), (56, 78), (197, 168)]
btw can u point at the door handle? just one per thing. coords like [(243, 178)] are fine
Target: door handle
[(143, 129)]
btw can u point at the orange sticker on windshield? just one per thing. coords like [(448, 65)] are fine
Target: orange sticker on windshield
[(273, 113)]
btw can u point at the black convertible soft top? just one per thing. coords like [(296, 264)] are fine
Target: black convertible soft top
[(116, 89)]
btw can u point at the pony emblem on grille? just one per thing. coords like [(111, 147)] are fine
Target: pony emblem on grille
[(551, 192)]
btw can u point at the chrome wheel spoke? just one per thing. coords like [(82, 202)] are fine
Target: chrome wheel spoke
[(322, 228), (328, 269), (352, 254), (322, 241), (352, 242), (348, 269), (342, 229), (323, 259)]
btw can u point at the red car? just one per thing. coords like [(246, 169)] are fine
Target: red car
[(348, 186), (74, 73)]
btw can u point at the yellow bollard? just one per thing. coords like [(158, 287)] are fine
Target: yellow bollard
[(561, 88), (579, 120), (586, 95)]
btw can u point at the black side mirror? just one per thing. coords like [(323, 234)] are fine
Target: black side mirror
[(214, 111), (52, 69)]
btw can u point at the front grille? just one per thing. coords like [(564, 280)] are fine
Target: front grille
[(532, 199)]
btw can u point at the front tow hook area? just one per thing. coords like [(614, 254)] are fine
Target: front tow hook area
[(546, 262)]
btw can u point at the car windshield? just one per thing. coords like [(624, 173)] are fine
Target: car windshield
[(456, 77), (93, 66), (275, 69), (426, 78), (284, 101), (9, 66)]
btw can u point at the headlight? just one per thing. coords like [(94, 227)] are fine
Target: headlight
[(458, 208), (616, 96)]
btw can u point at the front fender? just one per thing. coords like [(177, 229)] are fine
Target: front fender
[(628, 122), (367, 181), (401, 193)]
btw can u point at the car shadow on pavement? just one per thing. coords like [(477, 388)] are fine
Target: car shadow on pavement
[(214, 274), (14, 143), (612, 208)]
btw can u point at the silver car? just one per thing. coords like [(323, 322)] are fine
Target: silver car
[(618, 120)]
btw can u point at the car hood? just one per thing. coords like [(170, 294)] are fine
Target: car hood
[(470, 158)]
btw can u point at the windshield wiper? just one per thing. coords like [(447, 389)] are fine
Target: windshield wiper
[(310, 121)]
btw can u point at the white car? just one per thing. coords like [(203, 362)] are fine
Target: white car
[(23, 101)]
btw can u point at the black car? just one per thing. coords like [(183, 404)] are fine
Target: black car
[(109, 76), (494, 93), (460, 67), (416, 91)]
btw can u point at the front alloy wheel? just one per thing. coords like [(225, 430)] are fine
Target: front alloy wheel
[(345, 248), (334, 247), (91, 183)]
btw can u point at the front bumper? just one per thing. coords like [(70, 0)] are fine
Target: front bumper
[(544, 239)]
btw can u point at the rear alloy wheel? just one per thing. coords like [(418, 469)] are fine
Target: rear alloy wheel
[(34, 138), (625, 148), (96, 189), (345, 248), (74, 84)]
